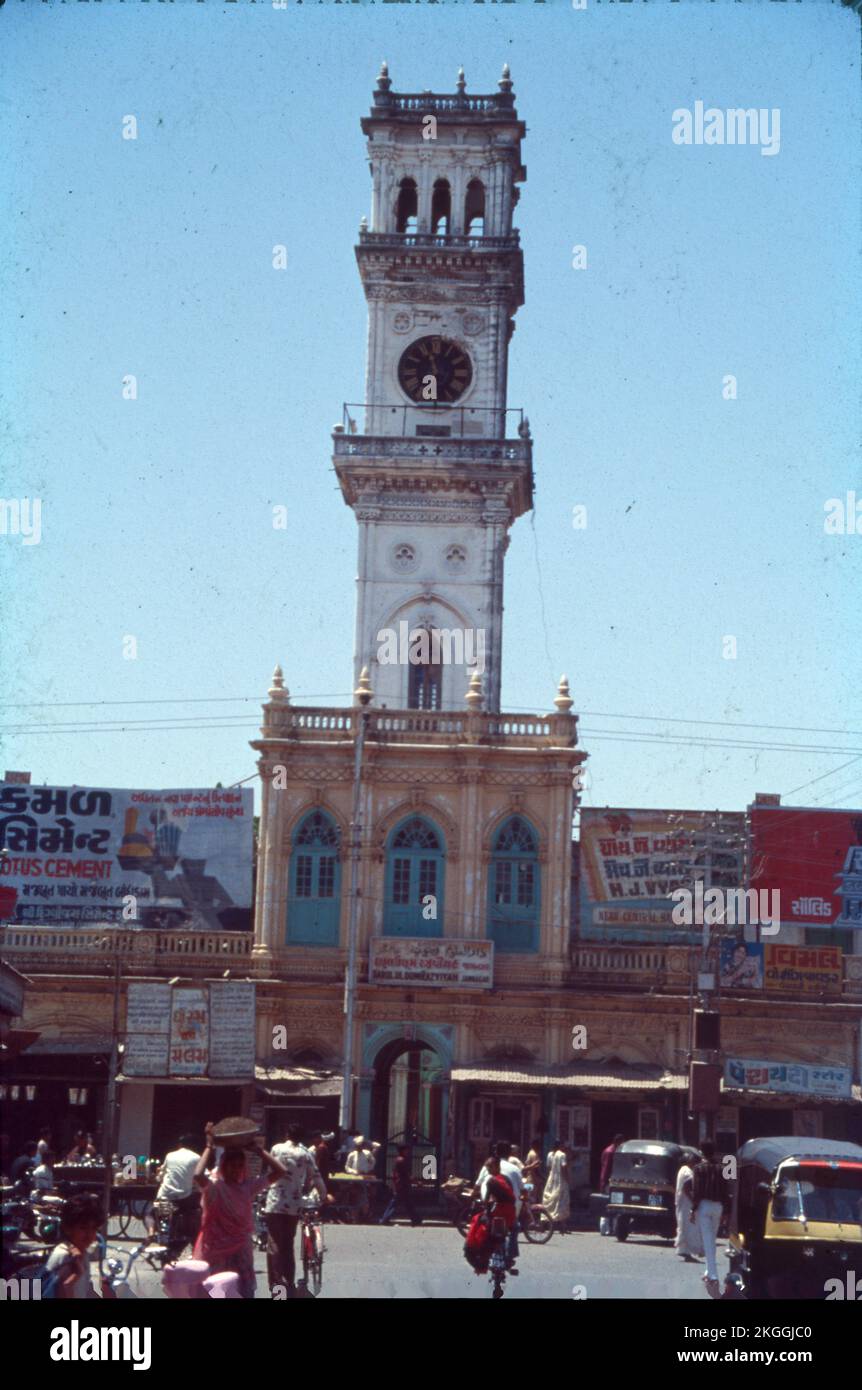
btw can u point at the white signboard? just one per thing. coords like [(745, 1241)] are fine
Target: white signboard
[(189, 1032), (436, 962), (232, 1013), (146, 1054), (148, 1009)]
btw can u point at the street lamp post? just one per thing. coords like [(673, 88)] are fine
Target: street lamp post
[(363, 694)]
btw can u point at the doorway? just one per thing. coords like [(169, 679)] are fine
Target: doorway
[(610, 1118), (407, 1104)]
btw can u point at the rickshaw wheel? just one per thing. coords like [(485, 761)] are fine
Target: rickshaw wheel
[(621, 1228)]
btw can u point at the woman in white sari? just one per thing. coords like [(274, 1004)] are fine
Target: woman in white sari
[(556, 1197), (688, 1244)]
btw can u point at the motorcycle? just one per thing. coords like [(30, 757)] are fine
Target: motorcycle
[(498, 1262)]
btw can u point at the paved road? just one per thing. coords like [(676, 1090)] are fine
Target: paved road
[(426, 1262)]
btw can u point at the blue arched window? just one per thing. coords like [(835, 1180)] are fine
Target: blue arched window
[(415, 872), (314, 894), (513, 887)]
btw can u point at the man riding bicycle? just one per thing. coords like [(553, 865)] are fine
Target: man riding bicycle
[(177, 1187)]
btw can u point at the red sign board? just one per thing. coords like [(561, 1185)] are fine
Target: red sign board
[(8, 902), (814, 859)]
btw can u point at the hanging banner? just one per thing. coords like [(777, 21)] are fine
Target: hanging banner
[(161, 859)]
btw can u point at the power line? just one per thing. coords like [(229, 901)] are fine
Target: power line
[(514, 709)]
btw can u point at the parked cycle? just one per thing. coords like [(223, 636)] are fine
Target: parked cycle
[(313, 1247)]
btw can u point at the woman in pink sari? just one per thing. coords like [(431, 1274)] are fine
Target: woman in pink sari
[(227, 1201)]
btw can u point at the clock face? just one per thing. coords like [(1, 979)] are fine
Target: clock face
[(444, 362)]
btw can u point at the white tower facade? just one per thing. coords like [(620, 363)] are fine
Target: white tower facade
[(438, 468)]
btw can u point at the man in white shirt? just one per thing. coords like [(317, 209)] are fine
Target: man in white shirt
[(511, 1171), (177, 1186), (362, 1161), (43, 1175), (284, 1206)]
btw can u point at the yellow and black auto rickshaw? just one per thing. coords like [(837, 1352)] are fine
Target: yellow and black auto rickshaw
[(642, 1187), (796, 1224)]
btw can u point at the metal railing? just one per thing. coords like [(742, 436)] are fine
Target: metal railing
[(449, 241), (459, 421)]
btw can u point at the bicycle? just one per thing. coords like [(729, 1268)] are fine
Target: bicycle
[(313, 1247), (535, 1222)]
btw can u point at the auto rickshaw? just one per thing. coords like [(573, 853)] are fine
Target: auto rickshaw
[(642, 1187), (796, 1221)]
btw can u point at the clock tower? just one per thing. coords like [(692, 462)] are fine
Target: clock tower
[(433, 463)]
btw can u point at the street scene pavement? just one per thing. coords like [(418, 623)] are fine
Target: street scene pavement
[(426, 1262)]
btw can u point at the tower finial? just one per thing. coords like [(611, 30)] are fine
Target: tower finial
[(278, 691), (505, 83), (384, 81), (473, 698), (563, 701), (363, 694), (461, 84)]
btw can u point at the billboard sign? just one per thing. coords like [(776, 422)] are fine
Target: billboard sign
[(161, 859), (632, 861), (803, 969), (798, 1078), (814, 859)]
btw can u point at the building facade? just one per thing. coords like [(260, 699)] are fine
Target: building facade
[(417, 973)]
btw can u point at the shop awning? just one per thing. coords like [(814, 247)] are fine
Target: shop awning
[(590, 1076), (297, 1081)]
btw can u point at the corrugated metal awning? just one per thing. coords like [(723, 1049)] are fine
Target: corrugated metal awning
[(297, 1081), (592, 1076)]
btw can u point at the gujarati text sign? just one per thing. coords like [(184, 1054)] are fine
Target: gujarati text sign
[(436, 962)]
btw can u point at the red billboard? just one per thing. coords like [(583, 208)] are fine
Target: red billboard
[(814, 859)]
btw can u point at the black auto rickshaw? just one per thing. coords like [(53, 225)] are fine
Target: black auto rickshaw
[(642, 1187), (796, 1224)]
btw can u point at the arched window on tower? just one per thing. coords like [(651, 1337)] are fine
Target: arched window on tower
[(314, 892), (415, 879), (513, 887), (474, 208), (425, 684), (441, 208), (406, 207)]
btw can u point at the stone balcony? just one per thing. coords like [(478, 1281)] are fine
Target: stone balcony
[(418, 727), (592, 968), (89, 950)]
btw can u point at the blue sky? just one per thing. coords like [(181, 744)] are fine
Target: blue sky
[(154, 257)]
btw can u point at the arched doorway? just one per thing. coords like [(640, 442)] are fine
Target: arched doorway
[(407, 1106)]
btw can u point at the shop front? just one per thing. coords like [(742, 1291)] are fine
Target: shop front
[(306, 1096), (763, 1099), (56, 1086), (581, 1107)]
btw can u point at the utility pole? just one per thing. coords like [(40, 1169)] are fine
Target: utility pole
[(363, 695), (109, 1122)]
